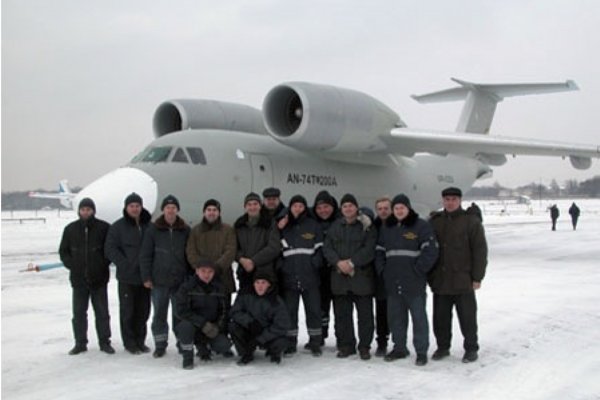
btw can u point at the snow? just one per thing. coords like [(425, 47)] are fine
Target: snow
[(539, 319)]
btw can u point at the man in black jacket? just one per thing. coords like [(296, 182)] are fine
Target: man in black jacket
[(299, 269), (350, 248), (257, 242), (259, 318), (82, 252), (201, 308), (457, 273), (123, 246), (164, 268)]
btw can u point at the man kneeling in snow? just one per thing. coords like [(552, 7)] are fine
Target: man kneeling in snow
[(259, 319), (200, 304)]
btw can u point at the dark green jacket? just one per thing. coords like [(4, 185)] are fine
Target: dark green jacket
[(463, 252)]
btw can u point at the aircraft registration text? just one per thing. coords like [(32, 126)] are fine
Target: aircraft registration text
[(310, 179)]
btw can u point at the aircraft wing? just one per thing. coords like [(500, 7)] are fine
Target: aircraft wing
[(489, 149)]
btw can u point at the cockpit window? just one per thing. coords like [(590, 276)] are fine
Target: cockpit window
[(155, 154), (197, 155), (180, 156)]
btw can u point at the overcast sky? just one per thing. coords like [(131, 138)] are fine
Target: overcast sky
[(81, 80)]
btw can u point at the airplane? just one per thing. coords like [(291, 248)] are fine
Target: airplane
[(64, 194), (312, 137)]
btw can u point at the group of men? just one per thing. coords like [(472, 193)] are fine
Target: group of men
[(325, 254)]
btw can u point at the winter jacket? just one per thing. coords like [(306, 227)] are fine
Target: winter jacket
[(406, 251), (217, 243), (199, 302), (82, 252), (355, 242), (269, 310), (574, 211), (463, 252), (162, 259), (301, 259), (260, 243), (123, 246)]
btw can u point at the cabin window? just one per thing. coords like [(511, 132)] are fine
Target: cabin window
[(197, 155), (180, 156), (156, 154)]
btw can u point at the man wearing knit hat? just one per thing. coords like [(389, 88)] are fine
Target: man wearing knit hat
[(82, 253), (123, 247), (299, 270), (325, 211), (164, 267), (350, 248), (257, 242), (457, 273), (214, 240), (200, 305), (406, 251)]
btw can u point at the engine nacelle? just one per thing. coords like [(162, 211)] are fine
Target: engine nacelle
[(307, 116), (178, 115)]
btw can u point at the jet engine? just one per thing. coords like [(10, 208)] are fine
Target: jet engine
[(177, 115), (313, 117)]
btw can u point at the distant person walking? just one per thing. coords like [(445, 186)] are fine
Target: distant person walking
[(82, 252), (554, 214), (574, 212)]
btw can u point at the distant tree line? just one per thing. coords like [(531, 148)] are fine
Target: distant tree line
[(571, 188)]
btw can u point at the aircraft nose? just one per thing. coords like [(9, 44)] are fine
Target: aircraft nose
[(109, 192)]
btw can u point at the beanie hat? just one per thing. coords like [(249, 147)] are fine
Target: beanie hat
[(349, 198), (401, 199), (133, 198), (451, 191), (271, 192), (170, 199), (264, 274), (298, 199), (205, 263), (251, 197), (323, 197), (211, 202), (87, 202)]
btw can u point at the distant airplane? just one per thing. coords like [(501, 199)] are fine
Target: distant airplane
[(64, 194), (311, 137)]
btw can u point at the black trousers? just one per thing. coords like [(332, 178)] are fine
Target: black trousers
[(344, 323), (134, 311), (326, 299), (381, 322), (81, 299), (189, 334), (245, 343), (466, 309), (312, 311)]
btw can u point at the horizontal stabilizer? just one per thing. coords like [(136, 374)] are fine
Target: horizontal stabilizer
[(481, 99)]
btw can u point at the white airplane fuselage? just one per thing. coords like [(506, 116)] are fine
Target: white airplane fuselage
[(238, 163)]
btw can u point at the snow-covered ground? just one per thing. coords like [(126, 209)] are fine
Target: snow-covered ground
[(539, 321)]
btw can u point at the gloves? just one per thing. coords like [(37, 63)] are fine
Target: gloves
[(210, 330), (255, 328)]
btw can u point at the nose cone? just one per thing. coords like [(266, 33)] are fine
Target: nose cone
[(109, 192)]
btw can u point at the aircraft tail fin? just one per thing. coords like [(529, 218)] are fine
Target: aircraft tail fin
[(63, 187), (481, 99)]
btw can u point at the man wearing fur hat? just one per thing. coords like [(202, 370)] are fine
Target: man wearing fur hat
[(164, 267), (200, 306), (299, 270), (123, 246), (406, 251), (259, 318), (457, 274), (257, 242), (82, 252), (349, 247)]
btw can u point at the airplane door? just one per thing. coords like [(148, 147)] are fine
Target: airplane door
[(262, 173)]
